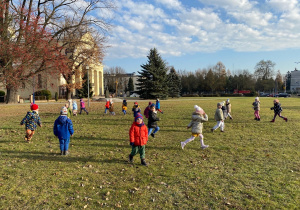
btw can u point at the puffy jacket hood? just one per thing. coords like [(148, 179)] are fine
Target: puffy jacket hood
[(62, 119)]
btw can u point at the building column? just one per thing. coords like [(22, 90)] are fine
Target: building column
[(96, 84)]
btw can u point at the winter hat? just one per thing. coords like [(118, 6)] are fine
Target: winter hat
[(64, 111), (150, 103), (199, 109), (228, 100), (138, 116), (219, 104), (34, 107), (135, 103), (257, 98)]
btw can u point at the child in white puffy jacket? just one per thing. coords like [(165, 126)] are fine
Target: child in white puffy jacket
[(198, 117)]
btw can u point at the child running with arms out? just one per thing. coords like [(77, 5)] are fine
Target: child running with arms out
[(63, 129), (256, 107), (31, 120), (277, 110), (138, 135), (198, 117), (219, 117)]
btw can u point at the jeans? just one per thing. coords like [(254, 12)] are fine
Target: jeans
[(151, 129), (64, 144)]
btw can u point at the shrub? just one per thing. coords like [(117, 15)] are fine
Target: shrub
[(2, 93), (56, 96), (46, 93)]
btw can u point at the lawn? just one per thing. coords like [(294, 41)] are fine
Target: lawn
[(252, 165)]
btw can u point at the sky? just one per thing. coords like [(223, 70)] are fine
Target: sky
[(196, 34)]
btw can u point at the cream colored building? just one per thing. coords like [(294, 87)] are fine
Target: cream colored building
[(57, 84)]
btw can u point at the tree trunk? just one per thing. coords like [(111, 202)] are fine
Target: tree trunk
[(11, 95)]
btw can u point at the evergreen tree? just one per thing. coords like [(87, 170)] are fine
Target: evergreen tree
[(130, 86), (174, 83), (83, 92), (152, 82)]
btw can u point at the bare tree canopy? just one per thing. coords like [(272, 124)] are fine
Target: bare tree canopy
[(43, 30)]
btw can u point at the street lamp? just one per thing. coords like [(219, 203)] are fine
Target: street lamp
[(88, 81)]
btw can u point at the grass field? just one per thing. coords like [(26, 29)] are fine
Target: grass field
[(253, 165)]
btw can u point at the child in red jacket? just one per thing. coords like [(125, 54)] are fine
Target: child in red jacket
[(138, 134)]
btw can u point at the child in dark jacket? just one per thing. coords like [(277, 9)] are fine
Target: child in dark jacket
[(146, 111), (31, 120), (63, 129), (138, 134), (136, 109), (277, 110), (152, 121)]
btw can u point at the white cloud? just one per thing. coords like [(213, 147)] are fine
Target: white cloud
[(240, 25), (171, 4), (230, 4), (283, 5)]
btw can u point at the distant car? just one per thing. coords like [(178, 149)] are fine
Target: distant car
[(284, 95), (265, 95), (134, 95)]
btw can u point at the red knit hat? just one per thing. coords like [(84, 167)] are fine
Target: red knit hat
[(34, 107)]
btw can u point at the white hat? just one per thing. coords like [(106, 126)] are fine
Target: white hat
[(257, 98), (64, 111), (199, 109), (228, 100)]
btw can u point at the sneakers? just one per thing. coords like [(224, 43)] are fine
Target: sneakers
[(143, 162), (231, 118), (66, 152), (182, 145), (272, 120), (222, 131), (152, 134), (130, 158), (286, 119), (61, 152), (258, 119), (204, 146), (212, 130)]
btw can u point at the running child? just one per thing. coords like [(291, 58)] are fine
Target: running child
[(152, 121), (82, 107), (277, 110), (136, 109), (219, 118), (256, 107), (124, 106), (31, 120), (157, 106), (198, 117)]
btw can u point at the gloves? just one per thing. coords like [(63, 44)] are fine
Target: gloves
[(272, 108), (131, 143)]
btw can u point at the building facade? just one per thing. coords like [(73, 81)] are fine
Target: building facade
[(295, 81)]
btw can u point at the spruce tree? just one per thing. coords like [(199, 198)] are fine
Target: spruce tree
[(174, 83), (130, 86), (83, 92), (152, 82)]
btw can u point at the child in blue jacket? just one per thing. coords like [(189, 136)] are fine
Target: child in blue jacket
[(63, 129), (157, 106)]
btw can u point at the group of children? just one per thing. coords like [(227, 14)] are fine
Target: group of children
[(139, 132)]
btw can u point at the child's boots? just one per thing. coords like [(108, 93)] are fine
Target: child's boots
[(130, 158), (272, 120), (286, 119), (143, 162)]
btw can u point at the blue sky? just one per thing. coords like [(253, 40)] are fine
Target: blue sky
[(193, 34)]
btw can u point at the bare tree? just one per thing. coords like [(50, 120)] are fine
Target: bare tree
[(115, 79), (53, 21)]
